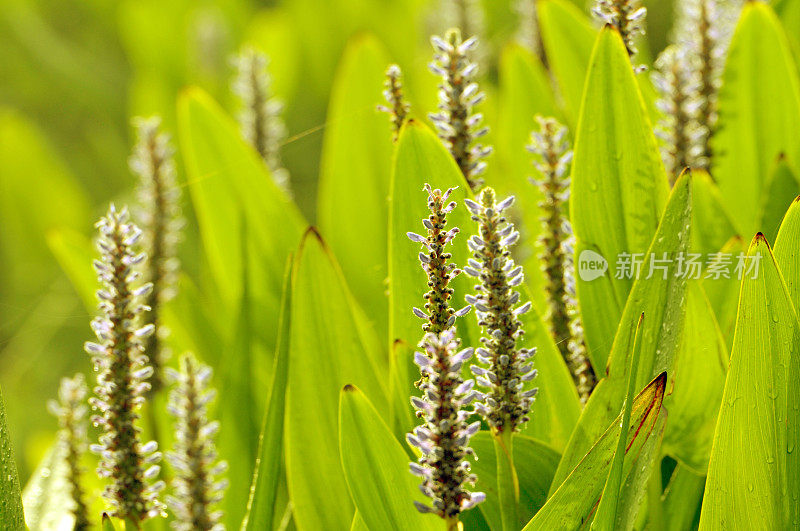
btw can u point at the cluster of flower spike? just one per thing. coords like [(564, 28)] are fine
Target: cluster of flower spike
[(397, 107), (194, 458), (70, 411), (438, 314), (678, 128), (456, 122), (122, 373), (159, 195), (702, 36), (260, 117), (551, 147), (628, 16), (506, 367), (443, 439)]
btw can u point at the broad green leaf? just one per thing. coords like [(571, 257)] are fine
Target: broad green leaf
[(261, 506), (723, 293), (787, 251), (107, 524), (11, 516), (568, 37), (229, 183), (326, 352), (237, 440), (619, 187), (661, 297), (355, 173), (754, 470), (421, 159), (47, 497), (574, 501), (759, 115), (525, 92), (535, 462), (783, 189), (699, 378), (358, 523), (711, 225), (376, 468), (681, 500)]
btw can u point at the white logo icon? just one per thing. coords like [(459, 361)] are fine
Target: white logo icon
[(591, 265)]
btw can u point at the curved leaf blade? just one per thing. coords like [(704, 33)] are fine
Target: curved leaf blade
[(376, 468), (754, 471), (619, 187)]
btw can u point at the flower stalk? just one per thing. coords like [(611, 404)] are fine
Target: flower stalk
[(553, 156), (197, 489), (70, 409), (504, 368), (122, 373), (443, 438), (260, 116), (457, 123), (437, 313), (397, 107), (153, 162)]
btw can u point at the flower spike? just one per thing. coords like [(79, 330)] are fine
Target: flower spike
[(443, 438), (553, 157), (122, 373), (397, 107), (438, 314), (70, 410), (153, 162), (196, 487), (456, 122), (628, 16), (503, 368), (260, 116)]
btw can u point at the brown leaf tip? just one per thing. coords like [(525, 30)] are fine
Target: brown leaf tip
[(349, 388)]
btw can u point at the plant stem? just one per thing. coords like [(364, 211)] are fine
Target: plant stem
[(507, 482), (452, 524), (655, 514)]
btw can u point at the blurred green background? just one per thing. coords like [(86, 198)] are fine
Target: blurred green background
[(72, 73)]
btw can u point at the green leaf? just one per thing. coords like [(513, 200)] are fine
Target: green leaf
[(108, 525), (47, 498), (11, 516), (662, 299), (261, 506), (754, 469), (237, 417), (376, 468), (759, 115), (573, 502), (355, 174), (712, 227), (783, 189), (568, 38), (681, 500), (619, 187), (699, 378), (327, 351), (787, 251), (421, 159), (229, 184), (535, 462)]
